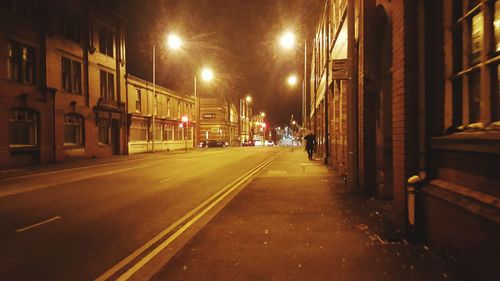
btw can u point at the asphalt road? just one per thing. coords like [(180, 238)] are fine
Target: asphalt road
[(76, 224)]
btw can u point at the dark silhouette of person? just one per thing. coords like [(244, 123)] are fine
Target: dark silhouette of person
[(310, 144)]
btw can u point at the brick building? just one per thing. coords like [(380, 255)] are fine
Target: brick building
[(404, 88), (62, 72), (170, 108), (219, 120)]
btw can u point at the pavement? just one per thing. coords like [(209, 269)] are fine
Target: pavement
[(297, 221)]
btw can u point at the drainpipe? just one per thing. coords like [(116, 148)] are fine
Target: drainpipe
[(327, 92), (422, 87), (352, 105)]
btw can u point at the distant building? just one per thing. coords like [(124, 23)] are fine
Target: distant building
[(245, 120), (170, 109), (62, 76), (218, 120)]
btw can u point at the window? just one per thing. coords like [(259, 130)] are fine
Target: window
[(24, 9), (168, 107), (178, 133), (139, 131), (73, 129), (103, 131), (107, 82), (158, 132), (178, 110), (168, 132), (23, 125), (71, 76), (138, 101), (474, 80), (106, 44), (70, 26), (21, 63)]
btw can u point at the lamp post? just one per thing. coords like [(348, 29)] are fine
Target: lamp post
[(206, 75), (173, 42)]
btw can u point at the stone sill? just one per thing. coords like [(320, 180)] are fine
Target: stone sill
[(481, 142), (478, 203)]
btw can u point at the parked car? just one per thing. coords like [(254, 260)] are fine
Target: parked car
[(269, 143), (258, 143), (248, 143), (213, 143)]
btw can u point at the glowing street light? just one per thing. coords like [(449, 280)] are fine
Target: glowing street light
[(262, 114), (174, 41), (292, 80), (248, 98), (207, 74), (287, 40)]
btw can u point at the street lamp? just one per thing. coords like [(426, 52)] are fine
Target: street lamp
[(185, 126), (173, 42), (292, 80), (287, 42), (206, 75)]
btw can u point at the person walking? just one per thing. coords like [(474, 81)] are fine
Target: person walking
[(310, 144)]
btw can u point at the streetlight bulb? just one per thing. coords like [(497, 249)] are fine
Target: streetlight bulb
[(249, 98), (287, 40), (262, 114), (292, 80), (207, 74), (174, 41)]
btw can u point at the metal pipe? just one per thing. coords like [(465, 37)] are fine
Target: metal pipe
[(154, 100), (352, 106)]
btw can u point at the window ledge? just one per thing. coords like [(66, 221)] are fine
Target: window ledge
[(73, 146), (483, 142), (474, 201)]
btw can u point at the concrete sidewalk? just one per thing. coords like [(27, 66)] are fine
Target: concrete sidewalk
[(296, 222)]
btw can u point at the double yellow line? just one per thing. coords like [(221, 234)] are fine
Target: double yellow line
[(178, 228)]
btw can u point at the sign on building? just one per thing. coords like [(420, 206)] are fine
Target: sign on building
[(208, 116), (340, 69)]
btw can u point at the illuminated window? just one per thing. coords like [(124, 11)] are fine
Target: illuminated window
[(20, 63), (474, 71)]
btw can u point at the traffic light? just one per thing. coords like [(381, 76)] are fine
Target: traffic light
[(184, 122)]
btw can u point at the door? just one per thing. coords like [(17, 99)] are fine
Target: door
[(115, 136)]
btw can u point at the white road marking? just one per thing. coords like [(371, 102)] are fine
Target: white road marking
[(37, 224), (165, 180), (201, 208), (10, 192)]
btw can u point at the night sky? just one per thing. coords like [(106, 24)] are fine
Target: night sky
[(238, 39)]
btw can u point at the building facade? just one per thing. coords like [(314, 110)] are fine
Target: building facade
[(62, 79), (219, 120), (171, 107), (410, 88), (245, 119)]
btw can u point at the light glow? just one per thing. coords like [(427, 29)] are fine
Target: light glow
[(174, 41), (292, 80), (207, 74), (287, 40)]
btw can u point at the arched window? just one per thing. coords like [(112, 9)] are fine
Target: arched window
[(74, 129), (23, 127)]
